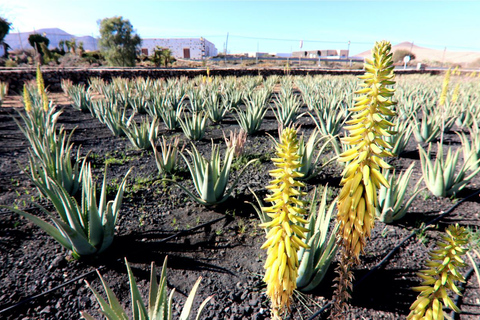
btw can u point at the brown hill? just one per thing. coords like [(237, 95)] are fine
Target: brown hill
[(430, 55)]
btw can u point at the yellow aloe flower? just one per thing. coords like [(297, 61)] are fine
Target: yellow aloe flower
[(40, 82), (362, 176), (446, 81), (455, 93), (26, 99), (441, 275), (45, 101), (41, 89), (285, 230)]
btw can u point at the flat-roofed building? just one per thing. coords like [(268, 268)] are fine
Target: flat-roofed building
[(314, 54), (182, 48)]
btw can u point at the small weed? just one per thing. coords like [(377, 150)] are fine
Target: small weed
[(425, 194), (241, 226), (113, 186), (231, 213), (420, 232), (219, 232), (141, 183), (118, 158), (174, 224), (141, 220)]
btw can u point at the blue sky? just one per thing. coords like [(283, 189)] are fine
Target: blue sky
[(270, 26)]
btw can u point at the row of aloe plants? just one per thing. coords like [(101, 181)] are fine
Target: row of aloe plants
[(202, 168), (89, 229), (331, 113)]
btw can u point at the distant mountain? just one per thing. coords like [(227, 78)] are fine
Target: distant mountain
[(425, 54), (20, 40)]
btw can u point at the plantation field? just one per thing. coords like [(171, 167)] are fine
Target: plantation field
[(221, 242)]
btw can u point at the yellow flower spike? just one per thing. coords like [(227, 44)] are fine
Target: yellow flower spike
[(361, 176), (26, 99), (45, 102), (286, 210), (40, 82), (455, 93), (446, 81), (441, 275), (41, 89)]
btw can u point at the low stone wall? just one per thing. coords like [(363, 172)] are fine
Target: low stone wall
[(16, 77)]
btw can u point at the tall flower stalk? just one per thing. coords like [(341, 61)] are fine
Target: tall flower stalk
[(362, 177), (286, 230), (440, 276)]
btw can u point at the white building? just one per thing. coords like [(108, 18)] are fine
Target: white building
[(183, 48)]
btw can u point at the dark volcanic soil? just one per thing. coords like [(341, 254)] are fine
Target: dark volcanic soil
[(221, 244)]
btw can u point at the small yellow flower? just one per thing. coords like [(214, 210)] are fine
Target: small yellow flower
[(41, 89), (456, 91), (45, 101), (26, 99), (443, 94), (285, 230), (40, 82)]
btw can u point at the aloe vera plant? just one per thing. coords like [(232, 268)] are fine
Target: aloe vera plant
[(38, 121), (286, 108), (330, 114), (236, 141), (80, 97), (307, 150), (440, 176), (139, 102), (428, 129), (196, 97), (83, 229), (471, 147), (391, 205), (194, 126), (112, 115), (209, 177), (314, 262), (215, 107), (159, 303), (141, 135), (166, 158), (251, 118), (399, 141), (50, 156)]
